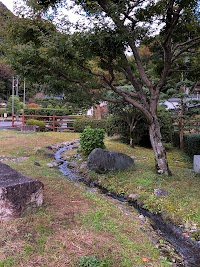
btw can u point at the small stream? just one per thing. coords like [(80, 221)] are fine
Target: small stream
[(188, 249)]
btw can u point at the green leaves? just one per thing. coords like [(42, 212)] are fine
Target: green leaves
[(91, 139), (92, 261)]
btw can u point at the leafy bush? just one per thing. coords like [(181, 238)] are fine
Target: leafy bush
[(115, 125), (166, 126), (91, 139), (81, 123), (176, 139), (88, 261), (192, 144), (2, 111), (17, 105), (140, 135), (37, 123)]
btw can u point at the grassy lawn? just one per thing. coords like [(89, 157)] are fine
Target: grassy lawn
[(74, 223), (181, 206)]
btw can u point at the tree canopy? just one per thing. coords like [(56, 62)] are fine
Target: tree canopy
[(169, 29)]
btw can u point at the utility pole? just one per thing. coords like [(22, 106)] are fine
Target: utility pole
[(13, 93), (17, 86), (24, 98)]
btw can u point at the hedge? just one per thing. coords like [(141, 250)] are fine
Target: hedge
[(47, 111), (192, 144), (81, 123)]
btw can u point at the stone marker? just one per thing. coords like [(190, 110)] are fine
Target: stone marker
[(159, 192), (17, 192), (104, 161), (196, 163)]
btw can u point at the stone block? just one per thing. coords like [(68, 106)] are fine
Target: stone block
[(17, 193), (196, 163), (29, 128)]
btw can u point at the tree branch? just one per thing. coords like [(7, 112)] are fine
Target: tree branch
[(190, 44)]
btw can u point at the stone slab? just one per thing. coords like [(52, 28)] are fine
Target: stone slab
[(196, 163), (29, 128), (17, 192)]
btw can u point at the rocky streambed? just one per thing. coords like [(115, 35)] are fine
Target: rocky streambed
[(187, 249)]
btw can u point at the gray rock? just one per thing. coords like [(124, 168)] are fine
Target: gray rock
[(105, 161), (59, 162), (52, 164), (17, 192), (49, 155), (133, 196), (160, 192), (71, 165), (142, 217), (36, 163), (83, 168)]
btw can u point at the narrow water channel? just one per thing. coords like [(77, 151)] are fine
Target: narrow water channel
[(188, 249)]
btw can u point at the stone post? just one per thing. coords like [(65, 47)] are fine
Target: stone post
[(196, 163)]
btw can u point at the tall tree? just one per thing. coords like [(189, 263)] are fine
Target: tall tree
[(6, 74), (125, 25)]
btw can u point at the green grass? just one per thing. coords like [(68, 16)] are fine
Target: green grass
[(74, 223), (181, 205)]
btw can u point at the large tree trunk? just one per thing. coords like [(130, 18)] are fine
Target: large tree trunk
[(158, 148)]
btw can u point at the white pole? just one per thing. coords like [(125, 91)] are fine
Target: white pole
[(17, 86)]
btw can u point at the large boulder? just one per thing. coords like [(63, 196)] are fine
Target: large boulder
[(17, 192), (104, 161)]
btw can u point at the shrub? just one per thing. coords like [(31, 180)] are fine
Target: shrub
[(166, 126), (2, 111), (192, 144), (37, 123), (114, 125), (47, 111), (91, 139), (81, 123), (88, 261), (176, 139)]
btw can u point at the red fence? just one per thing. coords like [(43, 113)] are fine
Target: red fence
[(54, 123)]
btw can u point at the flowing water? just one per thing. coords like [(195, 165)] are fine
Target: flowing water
[(187, 248)]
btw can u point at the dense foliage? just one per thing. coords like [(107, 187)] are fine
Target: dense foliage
[(41, 124), (91, 60), (191, 143), (47, 111), (81, 123), (17, 105), (91, 139)]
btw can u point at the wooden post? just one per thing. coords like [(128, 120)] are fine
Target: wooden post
[(54, 124), (13, 118), (23, 119)]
